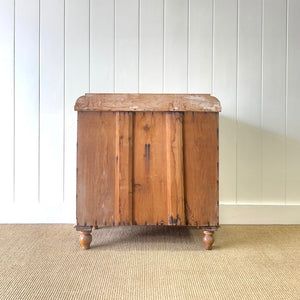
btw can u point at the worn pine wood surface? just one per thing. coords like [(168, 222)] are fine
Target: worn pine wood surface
[(123, 168), (147, 168), (175, 168), (96, 153), (148, 102), (201, 164)]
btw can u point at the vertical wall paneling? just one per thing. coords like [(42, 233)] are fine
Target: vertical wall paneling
[(27, 101), (102, 36), (224, 87), (246, 53), (126, 51), (76, 84), (273, 101), (151, 46), (176, 43), (51, 101), (7, 94), (293, 105), (249, 146), (200, 46)]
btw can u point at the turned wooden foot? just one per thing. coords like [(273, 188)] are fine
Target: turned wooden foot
[(208, 239), (85, 239)]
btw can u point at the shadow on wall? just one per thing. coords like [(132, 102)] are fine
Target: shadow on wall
[(258, 166)]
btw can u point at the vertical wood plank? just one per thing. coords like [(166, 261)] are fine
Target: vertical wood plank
[(293, 105), (149, 169), (51, 101), (273, 101), (76, 84), (151, 46), (201, 181), (96, 162), (7, 91), (176, 43), (175, 169), (224, 88), (200, 46), (116, 197), (124, 161), (249, 145), (126, 51), (27, 101), (102, 35)]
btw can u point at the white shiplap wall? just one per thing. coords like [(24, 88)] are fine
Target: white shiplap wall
[(247, 53)]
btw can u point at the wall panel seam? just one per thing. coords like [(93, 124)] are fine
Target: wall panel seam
[(39, 110), (89, 46), (139, 45), (212, 46), (236, 99), (14, 106), (114, 59), (262, 94), (164, 54), (64, 105), (188, 45), (286, 98)]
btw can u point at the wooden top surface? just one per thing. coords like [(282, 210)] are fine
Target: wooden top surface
[(148, 102)]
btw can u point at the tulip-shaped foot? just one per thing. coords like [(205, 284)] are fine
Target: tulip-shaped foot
[(208, 239), (85, 239)]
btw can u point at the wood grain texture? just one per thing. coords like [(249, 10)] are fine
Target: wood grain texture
[(123, 173), (149, 175), (201, 178), (174, 159), (147, 168), (148, 102), (96, 151)]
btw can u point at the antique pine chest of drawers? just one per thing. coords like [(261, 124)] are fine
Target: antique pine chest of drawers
[(147, 159)]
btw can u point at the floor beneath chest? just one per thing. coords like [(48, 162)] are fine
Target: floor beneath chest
[(247, 262)]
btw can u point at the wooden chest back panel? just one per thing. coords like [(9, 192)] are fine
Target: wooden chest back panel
[(147, 168)]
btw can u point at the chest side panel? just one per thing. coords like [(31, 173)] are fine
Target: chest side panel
[(201, 163), (96, 163)]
